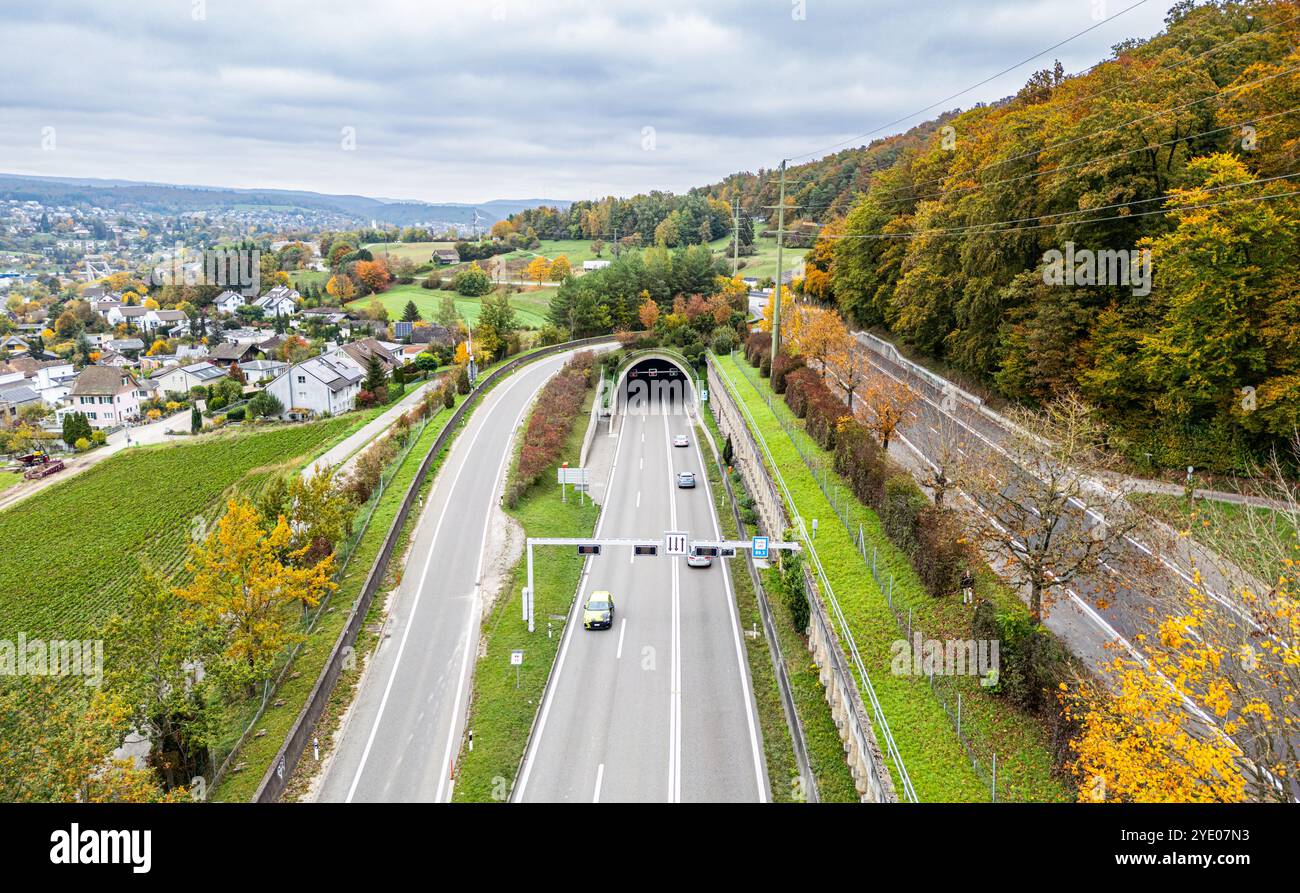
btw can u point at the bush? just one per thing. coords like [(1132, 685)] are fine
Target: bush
[(903, 502), (264, 405), (809, 398), (794, 596), (557, 408), (941, 553), (236, 414), (757, 345), (724, 341), (781, 367), (462, 380), (448, 396), (859, 459), (81, 445), (765, 366)]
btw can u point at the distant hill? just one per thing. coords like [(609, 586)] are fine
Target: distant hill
[(175, 199)]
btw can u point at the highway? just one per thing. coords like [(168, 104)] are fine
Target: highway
[(658, 708), (406, 723)]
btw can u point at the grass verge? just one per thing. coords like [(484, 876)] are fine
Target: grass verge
[(938, 765)]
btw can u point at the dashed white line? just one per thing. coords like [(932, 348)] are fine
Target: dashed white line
[(600, 777), (622, 630)]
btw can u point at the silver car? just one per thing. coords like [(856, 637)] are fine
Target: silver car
[(679, 440), (694, 560), (686, 480)]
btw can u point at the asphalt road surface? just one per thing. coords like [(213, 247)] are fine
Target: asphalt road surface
[(659, 707), (406, 725)]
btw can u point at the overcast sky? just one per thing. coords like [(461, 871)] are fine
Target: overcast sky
[(482, 99)]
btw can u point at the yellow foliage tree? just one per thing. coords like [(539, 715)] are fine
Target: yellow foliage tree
[(539, 270), (561, 269), (244, 580), (648, 312)]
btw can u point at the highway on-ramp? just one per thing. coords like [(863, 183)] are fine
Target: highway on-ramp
[(405, 726), (659, 707)]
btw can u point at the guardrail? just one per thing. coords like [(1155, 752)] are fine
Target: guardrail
[(286, 759)]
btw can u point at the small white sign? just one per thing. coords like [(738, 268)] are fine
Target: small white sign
[(571, 475), (516, 657), (676, 543)]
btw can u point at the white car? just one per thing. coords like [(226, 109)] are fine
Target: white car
[(679, 440)]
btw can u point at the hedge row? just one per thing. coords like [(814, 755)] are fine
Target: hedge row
[(810, 399), (930, 536), (781, 367), (757, 346), (557, 408)]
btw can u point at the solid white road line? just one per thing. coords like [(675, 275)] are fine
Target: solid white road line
[(445, 781), (530, 755), (600, 776), (622, 630), (424, 573), (675, 684)]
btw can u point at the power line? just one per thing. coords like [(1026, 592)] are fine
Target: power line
[(983, 228), (957, 190), (1096, 133), (987, 80)]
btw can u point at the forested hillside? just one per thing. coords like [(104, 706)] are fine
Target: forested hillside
[(1184, 146)]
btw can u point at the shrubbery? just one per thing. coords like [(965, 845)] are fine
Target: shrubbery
[(781, 367), (553, 417), (757, 346), (810, 399)]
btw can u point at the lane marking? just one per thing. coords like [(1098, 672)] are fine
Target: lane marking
[(622, 630), (675, 684), (445, 781), (530, 755), (600, 776), (428, 562), (760, 777)]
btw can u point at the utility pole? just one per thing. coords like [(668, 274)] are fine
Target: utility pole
[(735, 238), (776, 294)]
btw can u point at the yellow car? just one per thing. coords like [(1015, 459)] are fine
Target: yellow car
[(598, 613)]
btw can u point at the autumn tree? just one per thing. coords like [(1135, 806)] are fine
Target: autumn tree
[(885, 405), (648, 311), (58, 746), (156, 647), (243, 580), (561, 269), (539, 270), (1045, 517), (340, 288)]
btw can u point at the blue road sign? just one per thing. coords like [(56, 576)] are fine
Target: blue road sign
[(758, 548)]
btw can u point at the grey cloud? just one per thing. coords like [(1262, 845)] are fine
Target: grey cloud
[(453, 102)]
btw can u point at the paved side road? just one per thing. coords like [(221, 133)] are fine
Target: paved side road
[(406, 723), (340, 455)]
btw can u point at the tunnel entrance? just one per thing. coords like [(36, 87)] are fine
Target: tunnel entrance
[(655, 385)]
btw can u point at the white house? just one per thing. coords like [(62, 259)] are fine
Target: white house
[(180, 379), (279, 301), (325, 384), (120, 313), (589, 265), (153, 320), (107, 396), (228, 302)]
